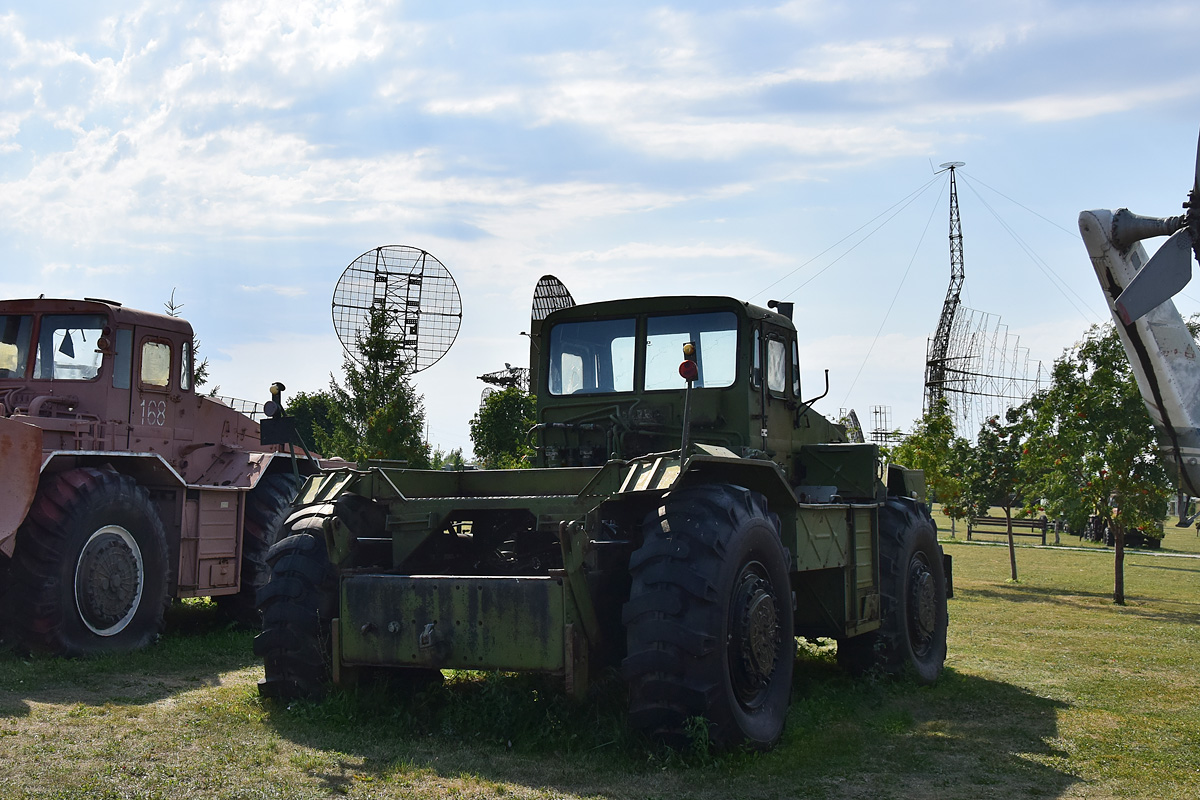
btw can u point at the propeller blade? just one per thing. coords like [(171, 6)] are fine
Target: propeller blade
[(1163, 276), (1196, 185)]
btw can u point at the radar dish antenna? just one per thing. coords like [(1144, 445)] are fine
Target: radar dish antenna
[(549, 295), (418, 294)]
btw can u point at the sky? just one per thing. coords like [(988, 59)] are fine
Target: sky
[(242, 154)]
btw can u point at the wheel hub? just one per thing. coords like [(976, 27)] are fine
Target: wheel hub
[(755, 635), (922, 603), (109, 577)]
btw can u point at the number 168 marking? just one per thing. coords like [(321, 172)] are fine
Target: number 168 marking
[(154, 412)]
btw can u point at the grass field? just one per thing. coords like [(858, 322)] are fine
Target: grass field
[(1050, 691)]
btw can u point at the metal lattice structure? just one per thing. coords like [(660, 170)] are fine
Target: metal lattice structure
[(509, 376), (883, 433), (416, 291), (987, 370), (939, 347), (549, 295), (972, 360)]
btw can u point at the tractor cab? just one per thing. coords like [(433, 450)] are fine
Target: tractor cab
[(94, 375), (609, 383)]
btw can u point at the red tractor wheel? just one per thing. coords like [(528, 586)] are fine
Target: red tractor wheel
[(89, 574)]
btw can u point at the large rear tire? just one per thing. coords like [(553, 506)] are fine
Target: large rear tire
[(267, 506), (90, 572), (709, 620), (298, 605), (912, 636)]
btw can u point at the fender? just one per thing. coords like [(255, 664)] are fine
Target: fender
[(21, 454)]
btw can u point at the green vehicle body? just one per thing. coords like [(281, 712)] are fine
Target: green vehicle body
[(530, 569)]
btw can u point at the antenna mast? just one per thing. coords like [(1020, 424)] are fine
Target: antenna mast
[(936, 358)]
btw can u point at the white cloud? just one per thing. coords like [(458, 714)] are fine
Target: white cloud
[(646, 251), (1093, 102), (883, 62)]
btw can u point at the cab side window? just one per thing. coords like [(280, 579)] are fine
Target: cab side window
[(185, 367), (156, 364), (776, 365), (756, 367), (795, 369), (123, 361)]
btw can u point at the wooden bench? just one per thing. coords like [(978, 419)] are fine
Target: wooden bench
[(999, 525)]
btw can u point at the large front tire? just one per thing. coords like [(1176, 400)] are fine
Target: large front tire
[(709, 620), (912, 635), (298, 605), (90, 570)]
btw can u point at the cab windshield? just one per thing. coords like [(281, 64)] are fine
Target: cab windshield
[(66, 347), (14, 344), (597, 357)]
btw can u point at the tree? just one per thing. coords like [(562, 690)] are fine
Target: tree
[(199, 368), (934, 447), (499, 431), (1090, 447), (441, 458), (314, 415), (994, 475), (378, 414)]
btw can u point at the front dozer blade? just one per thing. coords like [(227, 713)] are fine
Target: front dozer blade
[(21, 454), (1163, 276)]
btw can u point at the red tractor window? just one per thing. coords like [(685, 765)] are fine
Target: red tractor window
[(15, 330), (156, 364), (66, 347)]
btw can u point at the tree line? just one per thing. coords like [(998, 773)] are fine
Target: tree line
[(1082, 449)]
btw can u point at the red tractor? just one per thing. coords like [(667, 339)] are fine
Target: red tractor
[(123, 488)]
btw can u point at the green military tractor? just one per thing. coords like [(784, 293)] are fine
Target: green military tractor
[(688, 516)]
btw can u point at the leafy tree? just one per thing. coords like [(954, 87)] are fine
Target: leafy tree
[(934, 447), (441, 458), (378, 414), (1090, 447), (994, 474), (314, 415), (499, 431)]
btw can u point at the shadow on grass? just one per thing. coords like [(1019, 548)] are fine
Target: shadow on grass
[(1136, 565), (879, 738), (198, 644), (1019, 593)]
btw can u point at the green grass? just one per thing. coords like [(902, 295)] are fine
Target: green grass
[(1050, 691)]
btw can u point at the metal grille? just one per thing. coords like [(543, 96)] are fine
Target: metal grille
[(550, 295), (418, 292)]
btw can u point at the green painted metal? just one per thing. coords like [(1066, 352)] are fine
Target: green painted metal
[(604, 461), (853, 468), (488, 623)]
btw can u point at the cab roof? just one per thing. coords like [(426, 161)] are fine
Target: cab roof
[(668, 304), (118, 313)]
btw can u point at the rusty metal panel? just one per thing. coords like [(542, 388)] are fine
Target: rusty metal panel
[(210, 542), (220, 572), (189, 543), (510, 623), (219, 523), (21, 455)]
